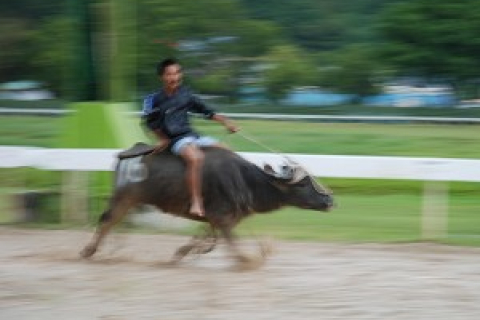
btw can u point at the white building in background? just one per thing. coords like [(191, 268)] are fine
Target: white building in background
[(24, 90), (411, 95)]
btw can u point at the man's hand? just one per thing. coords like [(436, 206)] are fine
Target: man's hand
[(231, 127)]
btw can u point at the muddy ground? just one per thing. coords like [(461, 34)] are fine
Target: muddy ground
[(41, 277)]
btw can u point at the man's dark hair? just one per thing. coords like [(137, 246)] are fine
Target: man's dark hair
[(162, 65)]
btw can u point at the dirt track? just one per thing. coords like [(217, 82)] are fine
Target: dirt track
[(42, 278)]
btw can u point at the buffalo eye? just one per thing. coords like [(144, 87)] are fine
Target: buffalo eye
[(302, 183)]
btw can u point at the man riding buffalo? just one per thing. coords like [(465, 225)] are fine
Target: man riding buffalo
[(165, 113)]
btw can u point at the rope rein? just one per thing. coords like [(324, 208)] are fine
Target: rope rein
[(251, 139), (316, 185)]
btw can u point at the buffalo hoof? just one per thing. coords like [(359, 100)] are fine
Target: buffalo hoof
[(245, 263), (88, 251), (204, 248), (173, 263), (266, 249)]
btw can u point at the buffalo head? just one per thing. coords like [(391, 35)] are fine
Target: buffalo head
[(300, 188)]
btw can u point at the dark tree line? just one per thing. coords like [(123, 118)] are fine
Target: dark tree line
[(347, 45)]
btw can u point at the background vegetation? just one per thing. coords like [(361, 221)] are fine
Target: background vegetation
[(349, 46)]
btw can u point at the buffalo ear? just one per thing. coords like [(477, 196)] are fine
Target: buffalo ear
[(269, 169), (282, 177)]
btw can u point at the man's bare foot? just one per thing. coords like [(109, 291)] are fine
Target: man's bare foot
[(197, 210)]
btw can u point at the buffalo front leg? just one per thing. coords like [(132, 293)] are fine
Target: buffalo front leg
[(200, 244), (108, 219), (244, 262)]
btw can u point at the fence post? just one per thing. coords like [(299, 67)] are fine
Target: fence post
[(74, 198), (435, 210)]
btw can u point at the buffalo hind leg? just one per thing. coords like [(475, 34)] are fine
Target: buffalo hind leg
[(207, 241), (200, 244), (109, 218)]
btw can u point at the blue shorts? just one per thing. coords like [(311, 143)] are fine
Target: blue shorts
[(198, 141)]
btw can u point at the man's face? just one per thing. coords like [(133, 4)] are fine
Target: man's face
[(172, 76)]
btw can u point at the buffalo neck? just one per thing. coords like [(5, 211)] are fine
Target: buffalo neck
[(266, 196)]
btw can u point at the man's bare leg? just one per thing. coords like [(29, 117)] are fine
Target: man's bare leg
[(193, 157), (221, 145)]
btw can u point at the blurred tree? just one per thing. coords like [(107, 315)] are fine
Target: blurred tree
[(434, 39), (352, 70), (256, 37), (220, 82), (18, 20), (207, 35), (311, 24), (53, 54), (321, 25), (290, 67), (15, 56), (189, 29), (32, 10)]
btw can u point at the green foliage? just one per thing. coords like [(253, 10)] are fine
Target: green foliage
[(15, 62), (289, 67), (321, 25), (256, 37), (436, 39), (54, 52), (165, 24), (19, 21), (34, 10), (351, 69), (216, 83), (423, 38)]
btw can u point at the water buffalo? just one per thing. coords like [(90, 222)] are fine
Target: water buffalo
[(233, 188)]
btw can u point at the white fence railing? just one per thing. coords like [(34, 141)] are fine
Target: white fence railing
[(435, 171), (271, 116), (335, 166)]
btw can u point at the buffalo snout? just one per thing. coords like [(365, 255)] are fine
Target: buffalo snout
[(329, 202)]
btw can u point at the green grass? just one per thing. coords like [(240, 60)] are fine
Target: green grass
[(353, 110), (455, 141), (464, 220), (383, 211), (359, 217), (368, 210), (29, 130), (7, 204), (34, 104), (353, 138)]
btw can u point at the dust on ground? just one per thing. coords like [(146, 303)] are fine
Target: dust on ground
[(41, 277)]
